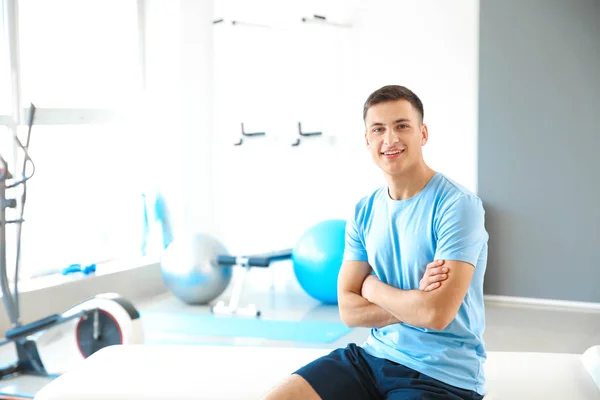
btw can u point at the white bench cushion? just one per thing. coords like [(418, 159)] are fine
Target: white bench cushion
[(178, 372)]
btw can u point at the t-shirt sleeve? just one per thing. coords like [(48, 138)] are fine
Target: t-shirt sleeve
[(461, 233), (354, 248)]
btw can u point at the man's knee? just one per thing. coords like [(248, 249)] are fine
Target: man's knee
[(294, 387)]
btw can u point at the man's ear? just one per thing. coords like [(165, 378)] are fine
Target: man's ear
[(424, 134), (366, 139)]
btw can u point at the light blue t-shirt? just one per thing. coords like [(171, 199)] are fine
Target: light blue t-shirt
[(399, 238)]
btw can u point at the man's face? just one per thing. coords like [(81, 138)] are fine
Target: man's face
[(395, 135)]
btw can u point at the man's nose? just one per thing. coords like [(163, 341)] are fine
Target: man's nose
[(390, 138)]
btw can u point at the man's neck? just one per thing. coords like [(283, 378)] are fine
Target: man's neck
[(410, 183)]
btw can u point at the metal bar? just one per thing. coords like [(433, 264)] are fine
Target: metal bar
[(142, 26), (77, 116), (12, 22), (6, 293), (21, 209)]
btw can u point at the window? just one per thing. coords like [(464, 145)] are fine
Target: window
[(78, 60), (5, 92), (79, 54), (82, 205)]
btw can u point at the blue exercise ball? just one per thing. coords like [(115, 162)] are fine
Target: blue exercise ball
[(317, 259)]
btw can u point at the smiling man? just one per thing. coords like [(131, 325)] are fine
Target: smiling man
[(424, 344)]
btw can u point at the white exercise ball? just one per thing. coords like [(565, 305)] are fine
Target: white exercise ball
[(190, 271)]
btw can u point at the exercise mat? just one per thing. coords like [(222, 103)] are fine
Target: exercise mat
[(165, 323)]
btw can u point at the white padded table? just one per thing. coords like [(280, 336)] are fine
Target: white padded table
[(177, 372)]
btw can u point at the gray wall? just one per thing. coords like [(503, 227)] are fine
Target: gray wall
[(539, 147)]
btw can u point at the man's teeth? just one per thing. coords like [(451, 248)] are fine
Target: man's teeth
[(390, 153)]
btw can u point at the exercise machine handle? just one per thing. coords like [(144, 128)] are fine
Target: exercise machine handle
[(23, 331), (259, 260), (26, 330)]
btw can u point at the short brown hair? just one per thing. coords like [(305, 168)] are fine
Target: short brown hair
[(393, 93)]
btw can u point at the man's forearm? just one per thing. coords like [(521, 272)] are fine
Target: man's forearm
[(409, 306), (356, 311)]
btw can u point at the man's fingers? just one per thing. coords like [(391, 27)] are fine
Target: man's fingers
[(432, 287), (436, 278), (435, 263), (437, 270), (432, 280), (435, 273)]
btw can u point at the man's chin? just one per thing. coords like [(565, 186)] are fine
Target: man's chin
[(392, 171)]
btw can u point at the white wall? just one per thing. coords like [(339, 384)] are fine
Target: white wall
[(266, 192), (177, 133)]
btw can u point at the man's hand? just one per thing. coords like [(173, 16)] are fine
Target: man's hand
[(434, 275)]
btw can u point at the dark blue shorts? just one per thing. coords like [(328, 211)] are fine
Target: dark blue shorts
[(352, 373)]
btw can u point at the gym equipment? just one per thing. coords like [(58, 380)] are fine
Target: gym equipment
[(190, 271), (124, 372), (198, 269), (74, 268), (317, 258), (54, 344), (246, 262)]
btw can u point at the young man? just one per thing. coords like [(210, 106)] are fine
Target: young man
[(424, 344)]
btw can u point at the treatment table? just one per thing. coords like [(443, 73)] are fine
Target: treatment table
[(178, 372)]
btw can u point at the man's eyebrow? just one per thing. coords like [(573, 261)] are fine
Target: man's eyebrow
[(395, 122)]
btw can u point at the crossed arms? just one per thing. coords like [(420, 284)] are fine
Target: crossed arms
[(366, 301)]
